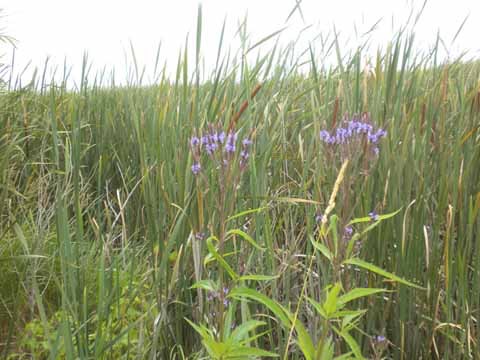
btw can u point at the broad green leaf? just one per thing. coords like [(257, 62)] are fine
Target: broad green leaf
[(351, 343), (216, 349), (201, 330), (350, 321), (242, 331), (358, 293), (360, 220), (322, 248), (348, 313), (319, 308), (258, 277), (246, 212), (331, 304), (369, 219), (351, 244), (346, 356), (375, 269), (220, 259), (286, 318), (325, 351), (245, 352), (208, 285), (245, 236), (209, 257)]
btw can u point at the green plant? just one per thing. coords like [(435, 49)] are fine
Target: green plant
[(235, 345)]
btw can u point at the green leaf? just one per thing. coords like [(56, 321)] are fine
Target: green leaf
[(351, 343), (278, 310), (322, 248), (208, 285), (209, 257), (246, 212), (242, 331), (245, 352), (245, 236), (325, 350), (320, 310), (220, 259), (286, 318), (358, 293), (369, 219), (351, 243), (346, 356), (375, 269), (200, 329), (331, 303), (258, 277), (360, 220), (348, 313), (22, 257)]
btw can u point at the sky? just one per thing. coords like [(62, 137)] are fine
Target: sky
[(66, 29)]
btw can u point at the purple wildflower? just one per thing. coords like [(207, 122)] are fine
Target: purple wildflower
[(246, 142), (339, 136), (324, 135), (353, 125), (210, 148), (379, 339), (211, 295), (318, 218), (230, 148), (221, 137), (372, 138), (348, 230), (199, 236), (244, 154), (196, 168), (381, 133), (373, 216), (204, 140), (194, 141), (225, 290), (214, 137), (330, 140)]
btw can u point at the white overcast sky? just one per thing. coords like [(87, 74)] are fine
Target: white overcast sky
[(62, 29)]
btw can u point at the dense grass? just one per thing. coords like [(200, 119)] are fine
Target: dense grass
[(99, 207)]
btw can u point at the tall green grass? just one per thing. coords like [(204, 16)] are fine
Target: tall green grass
[(98, 203)]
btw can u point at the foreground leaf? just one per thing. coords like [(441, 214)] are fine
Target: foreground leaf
[(375, 269)]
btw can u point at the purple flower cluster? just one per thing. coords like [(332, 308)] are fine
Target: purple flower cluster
[(354, 130), (219, 295), (218, 145), (196, 168)]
